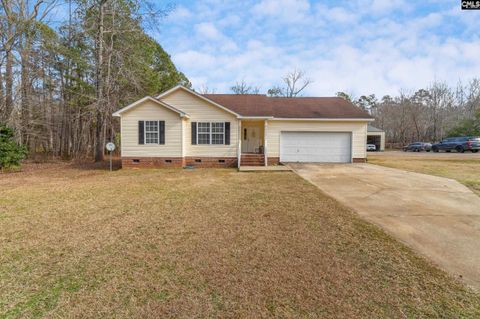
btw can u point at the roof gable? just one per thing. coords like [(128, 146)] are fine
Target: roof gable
[(149, 98), (200, 96)]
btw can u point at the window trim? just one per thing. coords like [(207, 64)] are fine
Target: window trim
[(216, 133), (210, 132), (145, 132)]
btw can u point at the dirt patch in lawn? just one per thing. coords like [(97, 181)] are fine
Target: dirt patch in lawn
[(203, 243), (465, 170)]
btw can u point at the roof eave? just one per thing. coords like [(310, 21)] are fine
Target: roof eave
[(132, 105), (246, 117), (174, 109), (322, 119)]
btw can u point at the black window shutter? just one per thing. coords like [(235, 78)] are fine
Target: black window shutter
[(141, 132), (161, 132), (227, 133), (194, 133)]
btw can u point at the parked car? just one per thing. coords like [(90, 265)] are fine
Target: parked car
[(418, 147), (371, 147), (459, 144)]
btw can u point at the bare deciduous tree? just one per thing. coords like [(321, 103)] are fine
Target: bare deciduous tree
[(427, 114), (244, 88), (204, 89), (59, 86), (100, 109), (295, 82)]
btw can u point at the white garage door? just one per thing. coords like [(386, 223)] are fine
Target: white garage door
[(316, 147)]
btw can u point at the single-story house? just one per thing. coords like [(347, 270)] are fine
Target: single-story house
[(376, 137), (181, 127)]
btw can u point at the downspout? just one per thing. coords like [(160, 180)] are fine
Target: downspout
[(265, 132), (182, 133), (121, 136), (239, 149)]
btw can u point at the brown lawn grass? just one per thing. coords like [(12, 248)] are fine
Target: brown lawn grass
[(466, 171), (203, 243)]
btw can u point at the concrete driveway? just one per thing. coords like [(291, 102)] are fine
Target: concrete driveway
[(437, 217)]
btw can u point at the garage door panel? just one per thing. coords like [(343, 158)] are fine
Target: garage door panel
[(324, 147)]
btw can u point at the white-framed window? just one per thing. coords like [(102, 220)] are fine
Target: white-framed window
[(211, 133), (218, 133), (151, 132), (203, 133)]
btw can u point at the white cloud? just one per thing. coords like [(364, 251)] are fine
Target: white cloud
[(364, 47), (195, 61), (213, 38), (179, 13), (208, 30), (341, 15), (333, 14), (230, 20), (383, 6), (287, 10)]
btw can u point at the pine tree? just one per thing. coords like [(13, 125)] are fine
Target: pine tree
[(11, 154)]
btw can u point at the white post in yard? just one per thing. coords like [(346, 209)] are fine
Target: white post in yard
[(265, 131)]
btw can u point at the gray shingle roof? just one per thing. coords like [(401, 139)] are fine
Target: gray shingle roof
[(373, 129)]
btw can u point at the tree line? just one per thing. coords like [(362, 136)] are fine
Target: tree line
[(429, 114), (59, 85)]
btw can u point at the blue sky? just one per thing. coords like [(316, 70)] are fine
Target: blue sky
[(357, 46)]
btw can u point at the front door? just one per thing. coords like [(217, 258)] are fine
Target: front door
[(251, 139)]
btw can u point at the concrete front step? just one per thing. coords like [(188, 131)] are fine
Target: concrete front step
[(252, 160), (276, 168)]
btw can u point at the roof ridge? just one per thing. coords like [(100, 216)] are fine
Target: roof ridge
[(290, 107), (256, 94), (305, 97), (274, 97)]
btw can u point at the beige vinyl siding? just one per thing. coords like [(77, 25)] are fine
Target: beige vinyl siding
[(150, 111), (358, 130), (202, 111)]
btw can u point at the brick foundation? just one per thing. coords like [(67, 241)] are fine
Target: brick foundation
[(178, 162), (195, 161), (152, 162), (211, 162), (359, 160)]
